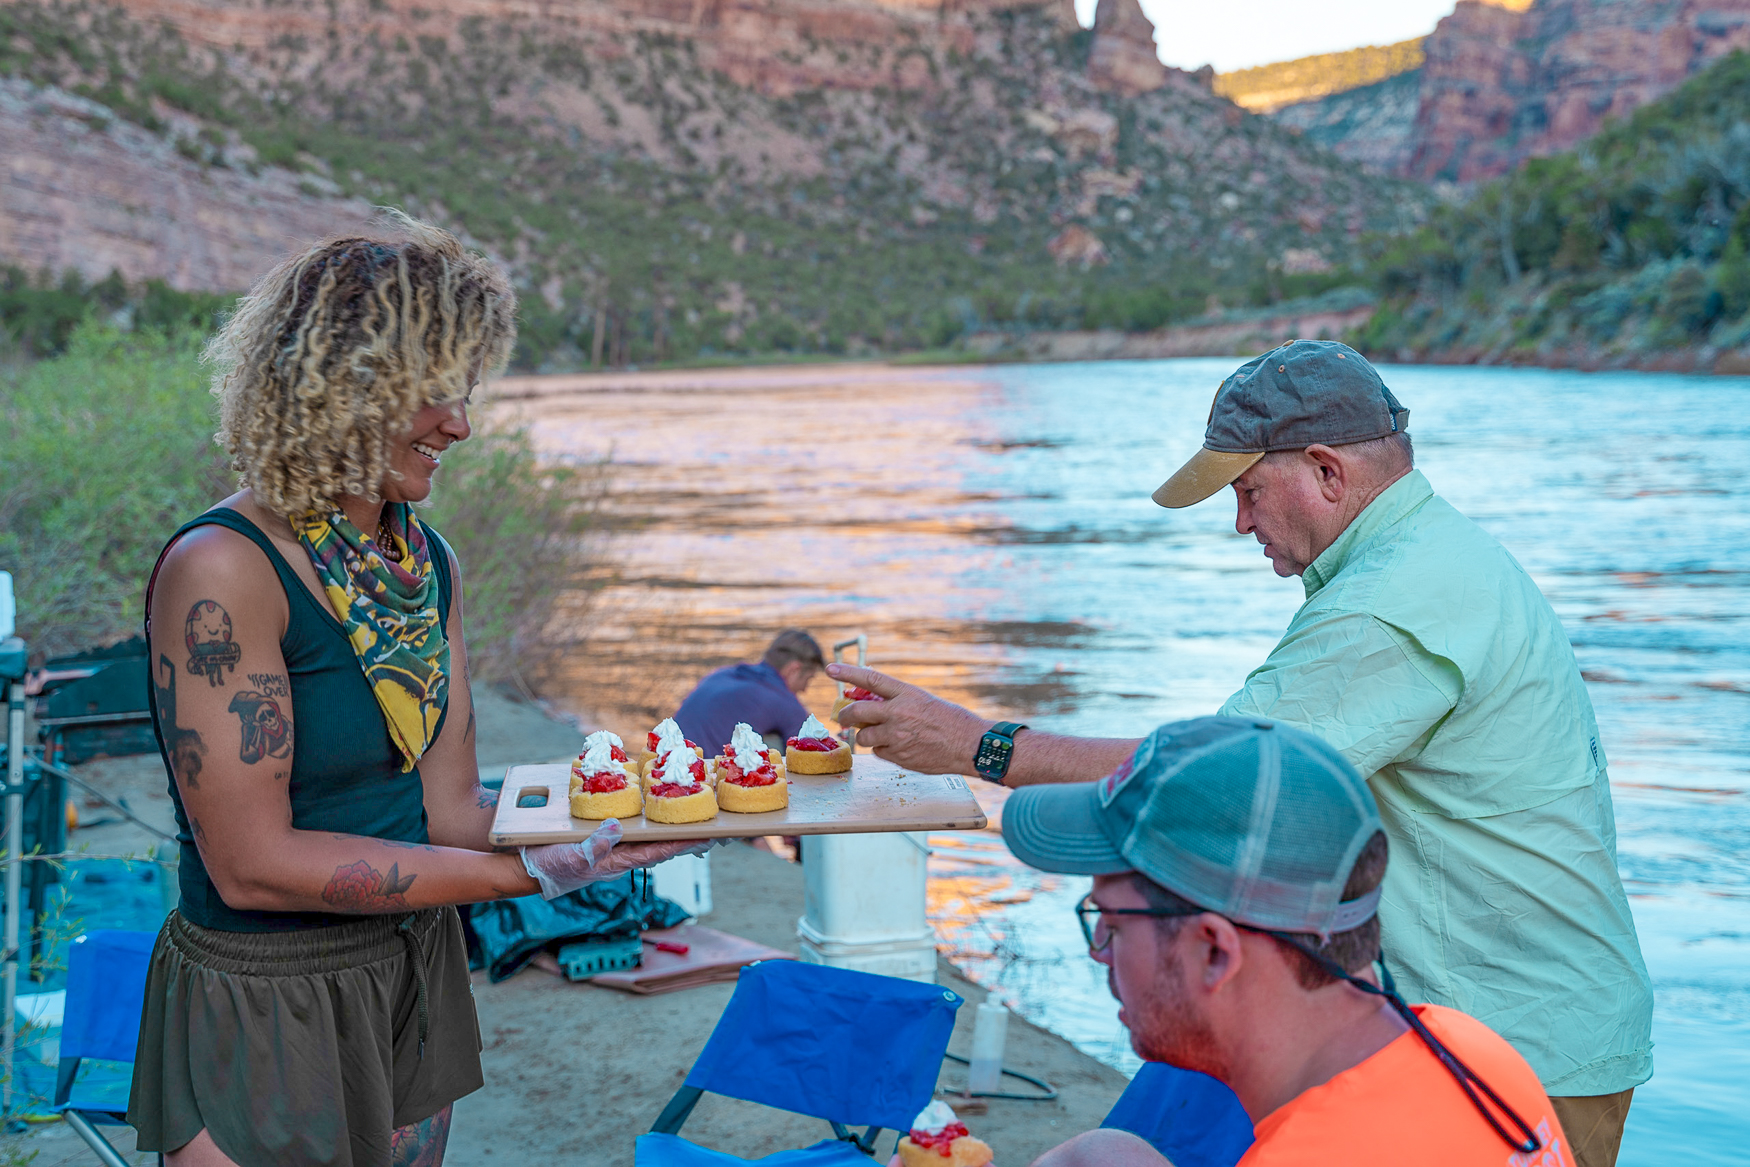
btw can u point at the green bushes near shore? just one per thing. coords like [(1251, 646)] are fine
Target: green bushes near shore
[(38, 312), (109, 449), (528, 535), (1637, 241)]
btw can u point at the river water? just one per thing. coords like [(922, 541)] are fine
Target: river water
[(990, 530)]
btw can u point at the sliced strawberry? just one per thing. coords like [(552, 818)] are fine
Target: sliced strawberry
[(942, 1142), (764, 776), (604, 783)]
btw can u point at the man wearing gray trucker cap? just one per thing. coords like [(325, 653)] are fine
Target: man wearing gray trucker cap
[(1426, 655), (1236, 867)]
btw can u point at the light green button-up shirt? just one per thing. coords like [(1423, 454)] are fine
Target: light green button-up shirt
[(1429, 658)]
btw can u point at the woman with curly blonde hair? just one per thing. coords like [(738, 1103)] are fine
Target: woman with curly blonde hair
[(309, 1001)]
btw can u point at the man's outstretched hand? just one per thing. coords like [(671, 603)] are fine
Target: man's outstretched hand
[(909, 726)]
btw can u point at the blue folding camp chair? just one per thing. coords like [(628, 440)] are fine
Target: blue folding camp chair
[(106, 988), (1192, 1119), (850, 1047)]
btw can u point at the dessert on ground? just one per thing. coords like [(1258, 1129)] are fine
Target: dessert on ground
[(601, 786), (939, 1139), (815, 751), (750, 779)]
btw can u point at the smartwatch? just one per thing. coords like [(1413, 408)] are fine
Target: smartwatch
[(995, 750)]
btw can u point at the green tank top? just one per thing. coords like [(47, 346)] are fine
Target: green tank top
[(346, 772)]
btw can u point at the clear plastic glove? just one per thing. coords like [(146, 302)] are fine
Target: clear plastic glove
[(565, 867)]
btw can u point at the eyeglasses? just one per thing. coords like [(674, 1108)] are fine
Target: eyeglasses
[(1099, 936)]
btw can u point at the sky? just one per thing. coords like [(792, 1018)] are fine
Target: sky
[(1236, 34)]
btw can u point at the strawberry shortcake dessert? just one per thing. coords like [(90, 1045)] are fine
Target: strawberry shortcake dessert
[(815, 751), (750, 778), (676, 789), (602, 786)]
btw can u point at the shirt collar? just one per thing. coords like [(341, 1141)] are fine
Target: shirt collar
[(1394, 502)]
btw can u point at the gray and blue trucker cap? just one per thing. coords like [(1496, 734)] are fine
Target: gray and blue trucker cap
[(1303, 393), (1252, 819)]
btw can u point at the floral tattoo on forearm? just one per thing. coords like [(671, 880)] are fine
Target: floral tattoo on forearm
[(359, 887)]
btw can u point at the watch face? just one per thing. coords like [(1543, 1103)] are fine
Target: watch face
[(992, 760)]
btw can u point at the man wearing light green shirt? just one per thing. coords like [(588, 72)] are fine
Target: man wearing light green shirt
[(1427, 656)]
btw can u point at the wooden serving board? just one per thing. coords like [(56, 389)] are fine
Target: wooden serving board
[(875, 796)]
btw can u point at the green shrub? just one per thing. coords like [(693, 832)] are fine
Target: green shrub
[(1624, 240), (110, 449), (39, 313), (528, 538)]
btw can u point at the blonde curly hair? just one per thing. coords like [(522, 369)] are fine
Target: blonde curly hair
[(331, 354)]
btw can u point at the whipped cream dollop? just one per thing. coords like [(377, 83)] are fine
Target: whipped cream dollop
[(812, 728), (599, 759), (669, 736), (602, 735), (746, 749), (935, 1118), (676, 764)]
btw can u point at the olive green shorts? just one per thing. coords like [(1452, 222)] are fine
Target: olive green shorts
[(309, 1047)]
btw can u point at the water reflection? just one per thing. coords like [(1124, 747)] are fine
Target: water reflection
[(990, 529)]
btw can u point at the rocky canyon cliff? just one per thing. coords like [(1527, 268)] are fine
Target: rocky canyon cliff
[(669, 177), (1504, 80)]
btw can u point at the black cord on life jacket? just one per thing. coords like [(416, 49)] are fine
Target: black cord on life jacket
[(1467, 1078)]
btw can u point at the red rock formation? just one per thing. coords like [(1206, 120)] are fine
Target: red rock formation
[(81, 190), (774, 46), (1123, 59), (1078, 245), (1501, 86)]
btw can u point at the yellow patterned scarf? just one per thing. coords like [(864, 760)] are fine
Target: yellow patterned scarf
[(388, 606)]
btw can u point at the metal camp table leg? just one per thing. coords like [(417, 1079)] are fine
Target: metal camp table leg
[(14, 848)]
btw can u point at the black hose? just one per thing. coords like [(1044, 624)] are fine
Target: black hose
[(1049, 1095)]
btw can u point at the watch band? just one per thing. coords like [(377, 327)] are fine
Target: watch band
[(995, 750)]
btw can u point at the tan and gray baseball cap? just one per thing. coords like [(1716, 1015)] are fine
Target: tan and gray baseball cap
[(1303, 393)]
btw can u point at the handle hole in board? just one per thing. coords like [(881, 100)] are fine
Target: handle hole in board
[(531, 796)]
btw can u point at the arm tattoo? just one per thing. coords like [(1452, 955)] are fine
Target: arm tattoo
[(484, 797), (267, 733), (210, 648), (184, 746), (200, 836), (420, 1144), (271, 684), (468, 734), (359, 887)]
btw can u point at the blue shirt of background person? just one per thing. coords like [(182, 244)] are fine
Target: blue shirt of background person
[(764, 695)]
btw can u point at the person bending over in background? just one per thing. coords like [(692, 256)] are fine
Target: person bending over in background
[(1240, 944), (764, 695), (308, 1002), (1427, 656)]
